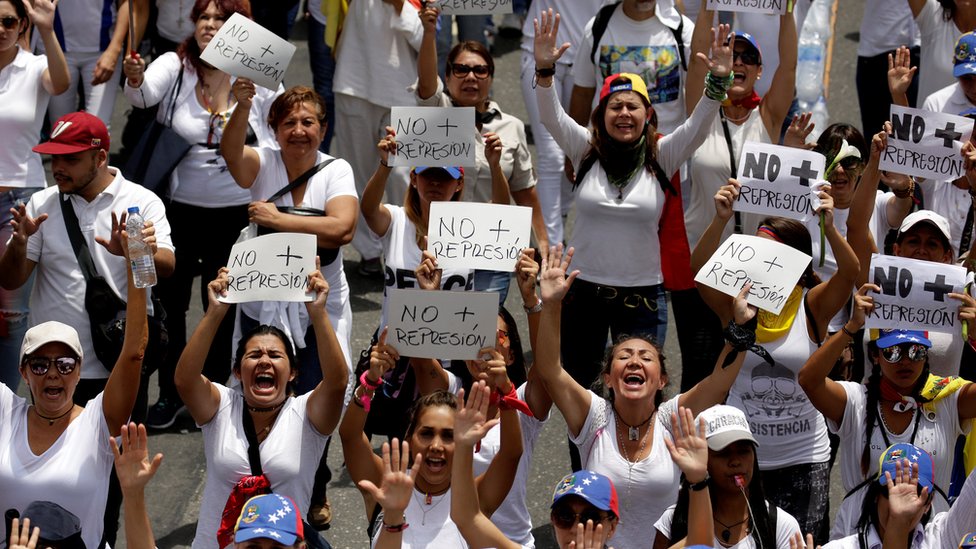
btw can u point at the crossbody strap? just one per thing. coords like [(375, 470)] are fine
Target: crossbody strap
[(732, 162), (175, 93), (301, 179), (77, 240), (253, 447)]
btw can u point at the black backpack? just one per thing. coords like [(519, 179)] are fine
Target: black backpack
[(602, 19)]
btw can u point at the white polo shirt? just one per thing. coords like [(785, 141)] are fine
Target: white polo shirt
[(23, 105), (59, 289)]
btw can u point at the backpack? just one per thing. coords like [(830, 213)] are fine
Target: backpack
[(602, 20)]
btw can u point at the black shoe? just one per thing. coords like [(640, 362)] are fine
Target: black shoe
[(163, 414)]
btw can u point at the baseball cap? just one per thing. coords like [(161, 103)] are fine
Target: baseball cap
[(269, 516), (75, 132), (724, 425), (964, 61), (50, 332), (454, 171), (633, 83), (926, 216), (902, 451), (594, 488), (751, 40), (969, 540), (890, 338), (60, 528)]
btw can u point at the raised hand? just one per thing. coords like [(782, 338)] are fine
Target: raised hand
[(742, 311), (387, 146), (863, 304), (428, 273), (470, 423), (21, 536), (492, 369), (906, 504), (41, 13), (134, 67), (244, 91), (382, 358), (797, 542), (967, 310), (24, 225), (545, 49), (689, 451), (318, 286), (555, 282), (396, 486), (114, 243), (800, 128), (526, 272), (588, 536), (132, 464), (725, 198), (428, 16), (900, 71), (216, 289), (880, 140), (720, 61)]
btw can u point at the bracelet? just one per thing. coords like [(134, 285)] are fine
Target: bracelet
[(533, 309), (365, 399), (741, 338), (384, 164), (848, 332), (395, 528), (545, 73), (700, 485), (372, 386), (716, 86)]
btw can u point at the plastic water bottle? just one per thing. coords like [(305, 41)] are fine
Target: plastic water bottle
[(809, 69), (140, 255), (820, 118)]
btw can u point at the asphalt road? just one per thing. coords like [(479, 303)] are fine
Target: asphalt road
[(175, 493)]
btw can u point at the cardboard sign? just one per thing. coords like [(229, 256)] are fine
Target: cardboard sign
[(777, 180), (926, 144), (243, 48), (434, 136), (444, 325), (478, 236), (772, 267), (772, 7), (474, 7), (915, 294), (273, 267)]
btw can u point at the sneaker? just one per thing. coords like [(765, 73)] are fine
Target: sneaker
[(370, 268), (163, 414), (320, 515)]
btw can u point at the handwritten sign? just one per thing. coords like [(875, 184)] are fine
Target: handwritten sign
[(773, 7), (478, 236), (474, 7), (445, 325), (773, 269), (243, 48), (434, 136), (915, 294), (777, 180), (273, 267), (926, 144)]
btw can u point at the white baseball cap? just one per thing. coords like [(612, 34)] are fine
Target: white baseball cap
[(724, 425), (50, 332), (926, 216)]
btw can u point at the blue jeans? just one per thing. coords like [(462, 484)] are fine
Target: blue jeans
[(13, 303), (470, 27), (493, 281), (322, 63)]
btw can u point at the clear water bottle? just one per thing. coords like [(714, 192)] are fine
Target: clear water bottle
[(143, 268), (809, 69), (820, 118)]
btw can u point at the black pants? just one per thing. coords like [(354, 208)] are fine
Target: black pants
[(699, 336), (872, 91)]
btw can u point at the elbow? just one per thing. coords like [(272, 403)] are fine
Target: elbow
[(60, 86)]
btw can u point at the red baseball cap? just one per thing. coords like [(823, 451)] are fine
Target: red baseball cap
[(75, 132)]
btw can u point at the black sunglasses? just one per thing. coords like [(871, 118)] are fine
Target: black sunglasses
[(914, 351), (40, 365), (460, 70), (9, 22), (564, 518), (748, 57)]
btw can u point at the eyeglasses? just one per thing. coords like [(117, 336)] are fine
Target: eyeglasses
[(565, 518), (915, 352), (748, 57), (40, 365), (460, 70), (9, 22)]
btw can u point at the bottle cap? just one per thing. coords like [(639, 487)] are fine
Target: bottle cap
[(133, 209)]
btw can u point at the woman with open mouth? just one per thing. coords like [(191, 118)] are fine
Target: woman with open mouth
[(286, 434)]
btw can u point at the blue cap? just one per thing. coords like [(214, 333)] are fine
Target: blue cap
[(896, 453), (593, 487), (968, 112), (965, 55), (454, 171), (133, 209), (751, 40), (890, 338), (269, 516), (969, 540)]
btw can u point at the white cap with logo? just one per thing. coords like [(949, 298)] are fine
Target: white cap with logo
[(724, 425)]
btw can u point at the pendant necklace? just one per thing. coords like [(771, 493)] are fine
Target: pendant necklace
[(623, 448), (51, 420), (633, 431), (428, 501), (727, 532)]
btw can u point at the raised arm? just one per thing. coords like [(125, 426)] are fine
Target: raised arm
[(697, 69), (197, 392), (135, 470), (123, 383), (689, 451), (828, 297), (708, 244), (427, 57), (499, 183), (900, 76), (376, 214), (242, 161), (572, 399), (15, 267), (906, 505), (394, 493), (325, 404), (862, 205), (55, 78), (777, 101)]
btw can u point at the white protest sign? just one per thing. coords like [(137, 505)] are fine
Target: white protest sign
[(776, 180), (915, 294), (444, 325), (478, 236), (243, 48), (474, 7), (434, 136), (273, 267), (773, 7), (772, 267), (926, 144)]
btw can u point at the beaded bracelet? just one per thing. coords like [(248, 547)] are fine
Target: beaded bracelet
[(716, 86)]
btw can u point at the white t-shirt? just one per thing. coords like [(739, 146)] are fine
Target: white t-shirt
[(939, 41), (647, 48), (173, 20), (765, 29), (59, 286), (573, 15), (73, 472), (430, 525), (631, 221), (512, 516), (201, 178), (786, 526), (378, 53), (952, 203), (86, 25), (950, 99), (936, 434), (645, 488), (789, 430), (23, 104), (885, 26), (289, 456)]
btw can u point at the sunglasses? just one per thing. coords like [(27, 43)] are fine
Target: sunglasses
[(566, 519), (460, 70), (914, 351), (502, 336), (9, 22), (40, 365), (851, 164), (748, 57)]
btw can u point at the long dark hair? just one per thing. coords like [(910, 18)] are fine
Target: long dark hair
[(829, 142), (517, 372), (601, 389), (189, 49), (763, 527)]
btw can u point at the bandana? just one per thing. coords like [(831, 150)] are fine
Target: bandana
[(510, 401), (772, 327), (750, 102), (623, 162), (935, 389)]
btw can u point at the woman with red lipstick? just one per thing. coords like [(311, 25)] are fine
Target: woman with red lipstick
[(290, 432)]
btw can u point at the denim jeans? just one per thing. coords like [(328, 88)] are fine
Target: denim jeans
[(13, 303), (322, 63), (493, 281)]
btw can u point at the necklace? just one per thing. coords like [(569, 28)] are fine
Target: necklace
[(623, 448), (265, 409), (633, 431), (735, 120), (727, 532), (427, 505), (51, 420)]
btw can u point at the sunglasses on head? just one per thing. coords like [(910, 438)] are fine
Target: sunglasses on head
[(914, 351), (460, 70), (40, 365), (747, 56), (9, 22), (565, 518)]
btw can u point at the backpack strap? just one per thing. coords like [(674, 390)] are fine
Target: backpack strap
[(602, 20), (253, 447)]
